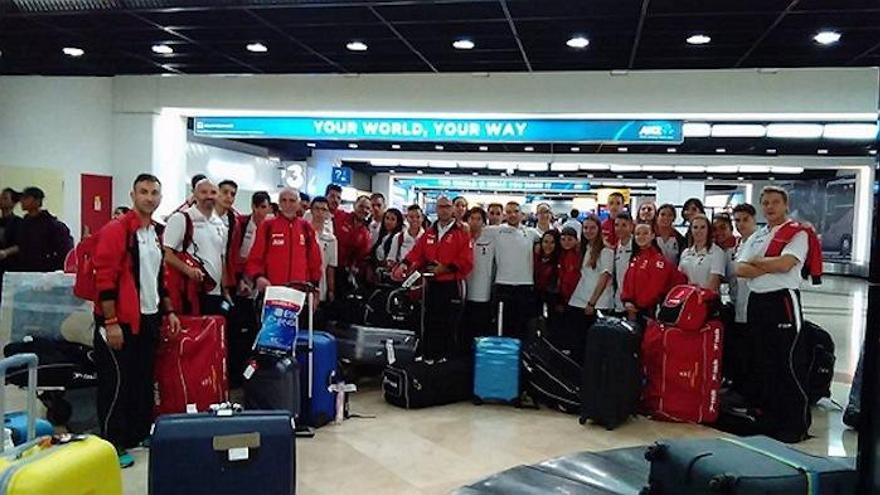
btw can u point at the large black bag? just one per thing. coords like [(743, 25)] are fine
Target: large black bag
[(552, 377), (822, 361), (62, 364), (744, 466), (612, 373), (273, 385), (420, 383)]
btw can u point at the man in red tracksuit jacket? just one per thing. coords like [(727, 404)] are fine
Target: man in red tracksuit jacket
[(130, 300), (447, 251), (285, 249), (353, 245)]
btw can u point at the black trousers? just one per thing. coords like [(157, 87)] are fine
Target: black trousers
[(211, 305), (571, 331), (444, 304), (477, 322), (125, 383), (782, 361), (520, 304), (241, 330)]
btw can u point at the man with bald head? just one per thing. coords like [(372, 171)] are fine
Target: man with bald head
[(285, 248), (195, 247)]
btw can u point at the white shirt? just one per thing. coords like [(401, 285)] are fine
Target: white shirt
[(479, 282), (573, 223), (590, 278), (399, 249), (514, 251), (247, 240), (699, 266), (329, 257), (622, 256), (669, 248), (756, 245), (328, 222), (381, 253), (375, 226), (208, 241), (441, 230), (541, 231), (150, 264)]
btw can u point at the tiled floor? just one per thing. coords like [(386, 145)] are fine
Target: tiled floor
[(435, 450)]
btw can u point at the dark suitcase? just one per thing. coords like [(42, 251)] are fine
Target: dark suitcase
[(612, 379), (552, 377), (228, 452), (419, 383), (744, 466), (62, 364), (822, 361), (317, 373), (274, 384), (391, 306), (368, 346)]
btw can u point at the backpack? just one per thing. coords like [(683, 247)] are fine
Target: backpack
[(822, 359), (688, 307)]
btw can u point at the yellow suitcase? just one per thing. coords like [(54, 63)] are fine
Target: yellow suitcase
[(84, 466), (60, 465)]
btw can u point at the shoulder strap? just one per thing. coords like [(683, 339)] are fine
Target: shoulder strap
[(187, 232), (244, 225), (230, 217)]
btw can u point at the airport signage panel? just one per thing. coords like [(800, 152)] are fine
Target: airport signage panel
[(341, 176), (443, 130), (511, 185)]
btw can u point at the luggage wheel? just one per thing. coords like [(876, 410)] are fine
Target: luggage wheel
[(582, 421), (58, 410), (477, 401)]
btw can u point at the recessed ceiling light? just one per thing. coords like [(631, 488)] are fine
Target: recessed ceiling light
[(578, 42), (575, 148), (740, 178), (529, 148), (619, 176), (872, 152), (771, 151), (484, 148), (438, 147), (420, 172), (162, 49), (72, 51), (463, 44), (720, 150), (827, 37), (699, 39), (257, 48), (623, 149), (395, 146), (671, 150), (822, 151), (475, 173), (311, 145), (357, 46), (352, 145), (561, 176)]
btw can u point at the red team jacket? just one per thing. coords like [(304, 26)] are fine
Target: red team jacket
[(648, 279), (455, 249), (569, 273), (352, 240), (116, 264), (784, 235), (608, 232), (285, 251)]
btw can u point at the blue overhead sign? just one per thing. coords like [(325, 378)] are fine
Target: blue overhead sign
[(513, 185), (444, 130), (341, 176)]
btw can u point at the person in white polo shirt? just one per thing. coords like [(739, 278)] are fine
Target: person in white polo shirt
[(405, 240), (514, 278), (739, 339), (703, 261), (201, 234), (623, 232), (775, 315), (478, 307)]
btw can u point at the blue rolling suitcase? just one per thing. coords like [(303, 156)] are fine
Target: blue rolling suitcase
[(223, 452), (496, 367), (317, 364)]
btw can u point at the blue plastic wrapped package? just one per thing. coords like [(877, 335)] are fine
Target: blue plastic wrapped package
[(281, 310), (42, 305)]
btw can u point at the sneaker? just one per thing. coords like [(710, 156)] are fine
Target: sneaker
[(125, 460)]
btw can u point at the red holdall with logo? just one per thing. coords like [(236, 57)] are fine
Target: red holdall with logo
[(683, 372), (688, 307), (191, 366)]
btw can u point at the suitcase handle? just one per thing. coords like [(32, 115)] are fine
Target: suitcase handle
[(31, 361)]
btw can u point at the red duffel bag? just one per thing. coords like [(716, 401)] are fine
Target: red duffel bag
[(683, 372), (688, 307), (191, 366)]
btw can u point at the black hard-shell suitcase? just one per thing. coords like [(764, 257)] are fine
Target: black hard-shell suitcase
[(744, 466), (552, 377), (420, 383), (612, 379), (274, 384)]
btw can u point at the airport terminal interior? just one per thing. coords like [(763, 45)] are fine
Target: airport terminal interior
[(341, 128)]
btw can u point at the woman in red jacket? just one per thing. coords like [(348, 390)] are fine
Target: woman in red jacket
[(569, 266), (649, 276), (546, 268)]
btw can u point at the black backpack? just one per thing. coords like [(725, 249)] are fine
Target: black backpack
[(821, 349)]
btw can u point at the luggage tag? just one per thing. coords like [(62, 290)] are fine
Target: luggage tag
[(390, 353), (192, 409), (250, 370)]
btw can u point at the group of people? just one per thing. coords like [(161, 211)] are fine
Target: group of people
[(489, 272)]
